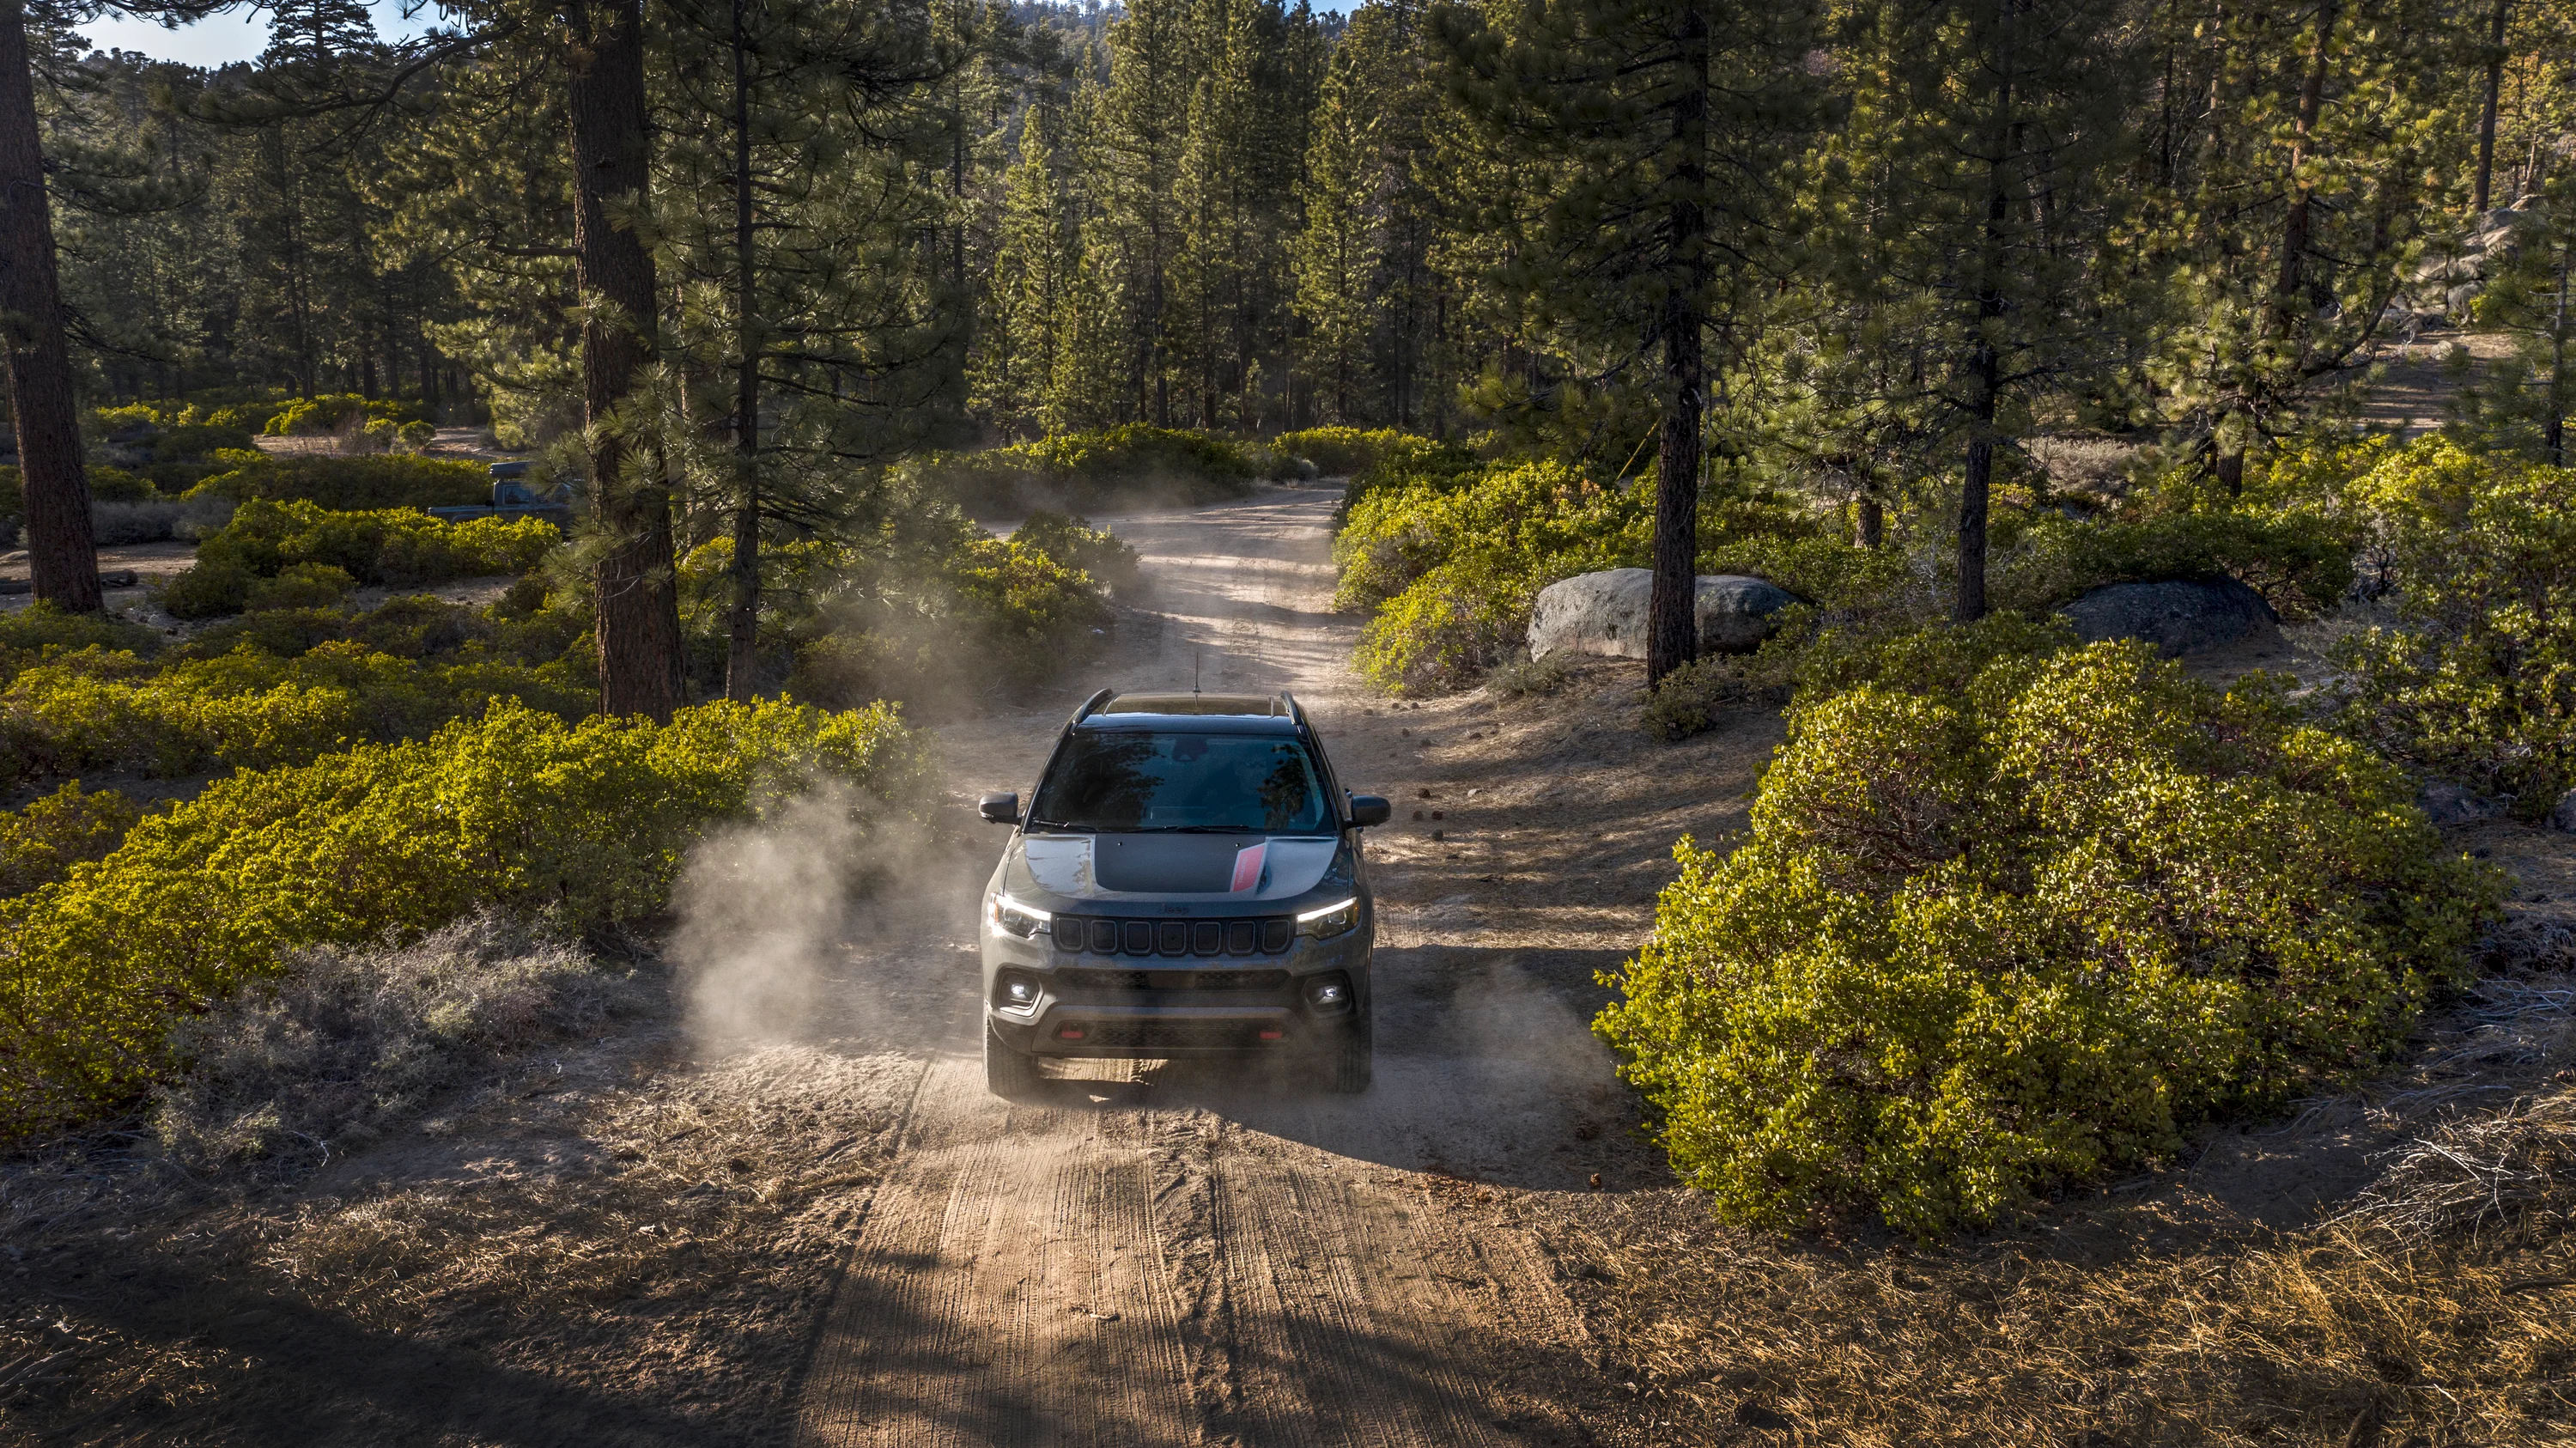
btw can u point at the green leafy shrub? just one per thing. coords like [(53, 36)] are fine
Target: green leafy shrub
[(2299, 561), (2475, 677), (391, 480), (116, 485), (516, 811), (1403, 460), (2021, 927), (391, 546), (1090, 469), (95, 711), (1349, 451), (301, 585), (40, 844), (323, 415), (1074, 543), (194, 441), (41, 632)]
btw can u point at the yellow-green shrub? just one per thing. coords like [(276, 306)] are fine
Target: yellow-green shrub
[(40, 844), (516, 810), (40, 632), (2021, 927), (393, 546), (94, 711), (2476, 676), (1088, 468), (315, 416), (1346, 451), (392, 480)]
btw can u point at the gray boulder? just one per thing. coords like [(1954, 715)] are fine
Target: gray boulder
[(2562, 815), (2445, 803), (2179, 615), (1605, 614)]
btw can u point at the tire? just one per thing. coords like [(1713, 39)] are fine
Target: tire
[(1010, 1074), (1350, 1060)]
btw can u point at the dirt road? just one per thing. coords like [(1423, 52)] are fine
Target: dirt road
[(1169, 1253)]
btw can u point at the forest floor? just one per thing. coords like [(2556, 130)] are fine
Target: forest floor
[(815, 1227)]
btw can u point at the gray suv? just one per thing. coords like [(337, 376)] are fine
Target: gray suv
[(1185, 881)]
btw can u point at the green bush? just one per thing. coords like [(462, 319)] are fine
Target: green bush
[(352, 483), (40, 844), (1074, 543), (391, 546), (1087, 470), (1349, 451), (96, 711), (301, 585), (41, 632), (515, 811), (321, 416), (2299, 561), (2475, 677), (1403, 460), (196, 441), (2018, 927)]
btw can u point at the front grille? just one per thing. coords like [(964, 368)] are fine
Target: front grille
[(1098, 935), (1175, 979), (1173, 1035)]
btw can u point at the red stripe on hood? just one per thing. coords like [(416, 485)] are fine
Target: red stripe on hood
[(1247, 867)]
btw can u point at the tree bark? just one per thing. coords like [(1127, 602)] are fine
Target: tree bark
[(1873, 522), (2296, 224), (2478, 193), (639, 615), (1985, 359), (2553, 428), (742, 621), (62, 552), (1672, 606)]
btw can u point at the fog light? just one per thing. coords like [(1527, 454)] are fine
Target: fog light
[(1328, 993), (1017, 993), (1330, 921)]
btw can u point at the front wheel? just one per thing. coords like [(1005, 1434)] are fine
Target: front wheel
[(1351, 1059), (1008, 1073)]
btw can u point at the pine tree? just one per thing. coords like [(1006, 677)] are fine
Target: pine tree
[(1657, 193), (1335, 252), (1032, 283)]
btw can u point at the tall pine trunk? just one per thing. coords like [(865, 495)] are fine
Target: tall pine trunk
[(742, 621), (62, 552), (639, 613), (2553, 426), (1985, 362), (2478, 192), (1672, 607)]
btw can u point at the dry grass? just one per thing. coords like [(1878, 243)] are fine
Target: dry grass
[(2431, 1307)]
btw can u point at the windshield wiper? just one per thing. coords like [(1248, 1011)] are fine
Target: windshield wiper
[(1038, 824), (1200, 830)]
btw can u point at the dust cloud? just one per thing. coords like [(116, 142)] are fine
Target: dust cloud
[(766, 910)]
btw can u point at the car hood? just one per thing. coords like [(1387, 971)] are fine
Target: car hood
[(1217, 869)]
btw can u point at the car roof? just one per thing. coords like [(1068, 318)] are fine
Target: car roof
[(1194, 713)]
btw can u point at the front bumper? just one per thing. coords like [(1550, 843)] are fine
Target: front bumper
[(1090, 1005)]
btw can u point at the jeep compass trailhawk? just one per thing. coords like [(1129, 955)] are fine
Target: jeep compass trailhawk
[(1186, 881)]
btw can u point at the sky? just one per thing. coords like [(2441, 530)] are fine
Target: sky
[(221, 39)]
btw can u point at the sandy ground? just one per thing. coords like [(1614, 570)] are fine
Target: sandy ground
[(1168, 1253)]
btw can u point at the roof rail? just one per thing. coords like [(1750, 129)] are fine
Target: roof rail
[(1088, 705)]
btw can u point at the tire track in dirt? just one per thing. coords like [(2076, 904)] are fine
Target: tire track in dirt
[(1190, 1253)]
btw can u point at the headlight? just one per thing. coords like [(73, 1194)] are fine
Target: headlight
[(1016, 992), (1330, 921), (1010, 917)]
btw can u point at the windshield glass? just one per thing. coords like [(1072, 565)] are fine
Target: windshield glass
[(1120, 781)]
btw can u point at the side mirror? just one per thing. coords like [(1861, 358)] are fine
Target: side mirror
[(1369, 809), (1000, 809)]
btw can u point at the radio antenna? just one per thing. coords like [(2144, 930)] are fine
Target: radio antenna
[(1194, 673)]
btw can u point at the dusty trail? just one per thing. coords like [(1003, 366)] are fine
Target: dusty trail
[(1165, 1253)]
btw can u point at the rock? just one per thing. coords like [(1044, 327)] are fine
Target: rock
[(2445, 803), (2179, 615), (1605, 613), (2562, 815)]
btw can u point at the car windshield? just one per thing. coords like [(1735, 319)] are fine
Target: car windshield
[(1108, 780)]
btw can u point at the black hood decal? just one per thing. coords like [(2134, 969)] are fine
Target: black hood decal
[(1149, 864)]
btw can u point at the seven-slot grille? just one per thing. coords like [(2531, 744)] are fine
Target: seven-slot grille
[(1175, 979), (1096, 935)]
